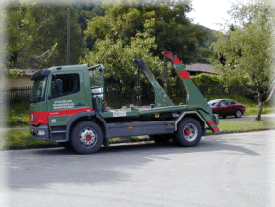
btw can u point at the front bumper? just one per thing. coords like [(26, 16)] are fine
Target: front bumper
[(40, 132)]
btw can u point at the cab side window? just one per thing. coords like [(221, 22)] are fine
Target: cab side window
[(66, 84)]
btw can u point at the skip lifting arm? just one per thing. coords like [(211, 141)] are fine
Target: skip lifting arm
[(194, 97)]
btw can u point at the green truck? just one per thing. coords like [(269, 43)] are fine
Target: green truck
[(68, 106)]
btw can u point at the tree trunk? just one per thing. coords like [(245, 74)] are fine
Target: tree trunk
[(258, 118)]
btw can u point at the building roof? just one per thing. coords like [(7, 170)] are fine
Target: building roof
[(201, 67)]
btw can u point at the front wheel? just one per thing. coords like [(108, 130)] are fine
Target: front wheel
[(87, 137), (189, 132), (238, 114)]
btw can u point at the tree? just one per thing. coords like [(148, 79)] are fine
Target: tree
[(117, 57), (86, 11), (37, 35), (172, 29), (246, 49), (204, 51)]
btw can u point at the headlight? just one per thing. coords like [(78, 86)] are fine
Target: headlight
[(41, 132)]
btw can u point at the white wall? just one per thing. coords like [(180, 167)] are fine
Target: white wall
[(18, 82)]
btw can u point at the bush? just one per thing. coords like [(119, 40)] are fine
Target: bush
[(18, 113), (206, 79)]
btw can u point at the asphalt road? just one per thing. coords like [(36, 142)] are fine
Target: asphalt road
[(223, 170)]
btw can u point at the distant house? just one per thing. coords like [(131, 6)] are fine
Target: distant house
[(22, 81), (197, 68)]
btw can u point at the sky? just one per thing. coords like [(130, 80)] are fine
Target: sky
[(210, 13)]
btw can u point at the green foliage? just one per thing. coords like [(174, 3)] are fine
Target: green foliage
[(87, 11), (14, 74), (245, 51), (171, 29), (117, 57), (17, 113), (37, 35), (204, 52), (206, 79)]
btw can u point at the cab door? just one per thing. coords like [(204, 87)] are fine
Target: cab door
[(67, 97)]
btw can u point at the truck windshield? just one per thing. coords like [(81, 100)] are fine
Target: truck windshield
[(38, 90)]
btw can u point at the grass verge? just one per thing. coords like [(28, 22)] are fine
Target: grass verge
[(246, 126), (21, 139)]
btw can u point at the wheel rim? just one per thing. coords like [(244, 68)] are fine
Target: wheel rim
[(190, 132), (88, 137), (238, 113)]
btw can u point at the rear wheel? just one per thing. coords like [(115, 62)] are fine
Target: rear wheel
[(87, 137), (189, 132)]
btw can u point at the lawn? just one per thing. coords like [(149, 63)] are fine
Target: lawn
[(244, 126), (21, 139)]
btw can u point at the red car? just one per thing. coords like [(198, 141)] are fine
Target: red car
[(227, 107)]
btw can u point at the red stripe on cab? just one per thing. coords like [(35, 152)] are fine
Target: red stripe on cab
[(37, 118)]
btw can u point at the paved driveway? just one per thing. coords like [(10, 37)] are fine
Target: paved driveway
[(223, 170)]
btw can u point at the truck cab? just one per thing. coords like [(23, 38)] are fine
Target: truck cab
[(68, 106)]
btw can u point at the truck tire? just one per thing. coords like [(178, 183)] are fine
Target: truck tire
[(87, 137), (189, 133)]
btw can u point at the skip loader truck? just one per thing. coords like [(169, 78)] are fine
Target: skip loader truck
[(68, 106)]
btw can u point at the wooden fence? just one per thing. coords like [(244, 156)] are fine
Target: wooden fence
[(23, 93), (15, 94)]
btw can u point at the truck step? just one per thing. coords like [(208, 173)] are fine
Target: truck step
[(58, 134)]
